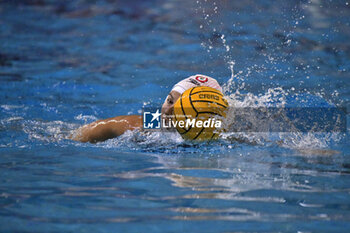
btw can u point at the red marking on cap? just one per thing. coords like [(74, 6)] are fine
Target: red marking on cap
[(202, 79)]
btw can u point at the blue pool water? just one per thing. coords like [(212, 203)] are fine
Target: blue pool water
[(67, 63)]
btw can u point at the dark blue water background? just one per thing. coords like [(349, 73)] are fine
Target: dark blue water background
[(67, 63)]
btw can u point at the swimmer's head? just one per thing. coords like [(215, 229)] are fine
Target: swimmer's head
[(182, 86), (168, 105)]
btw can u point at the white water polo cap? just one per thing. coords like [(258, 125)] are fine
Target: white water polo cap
[(195, 81)]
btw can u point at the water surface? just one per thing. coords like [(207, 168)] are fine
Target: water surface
[(67, 63)]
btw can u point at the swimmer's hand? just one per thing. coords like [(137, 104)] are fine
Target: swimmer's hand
[(102, 130)]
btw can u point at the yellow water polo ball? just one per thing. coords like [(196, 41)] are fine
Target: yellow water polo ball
[(199, 113)]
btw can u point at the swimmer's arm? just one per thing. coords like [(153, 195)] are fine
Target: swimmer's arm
[(102, 130)]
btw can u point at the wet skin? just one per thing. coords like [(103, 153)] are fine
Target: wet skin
[(102, 130)]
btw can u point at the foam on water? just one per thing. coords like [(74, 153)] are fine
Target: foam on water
[(273, 97)]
